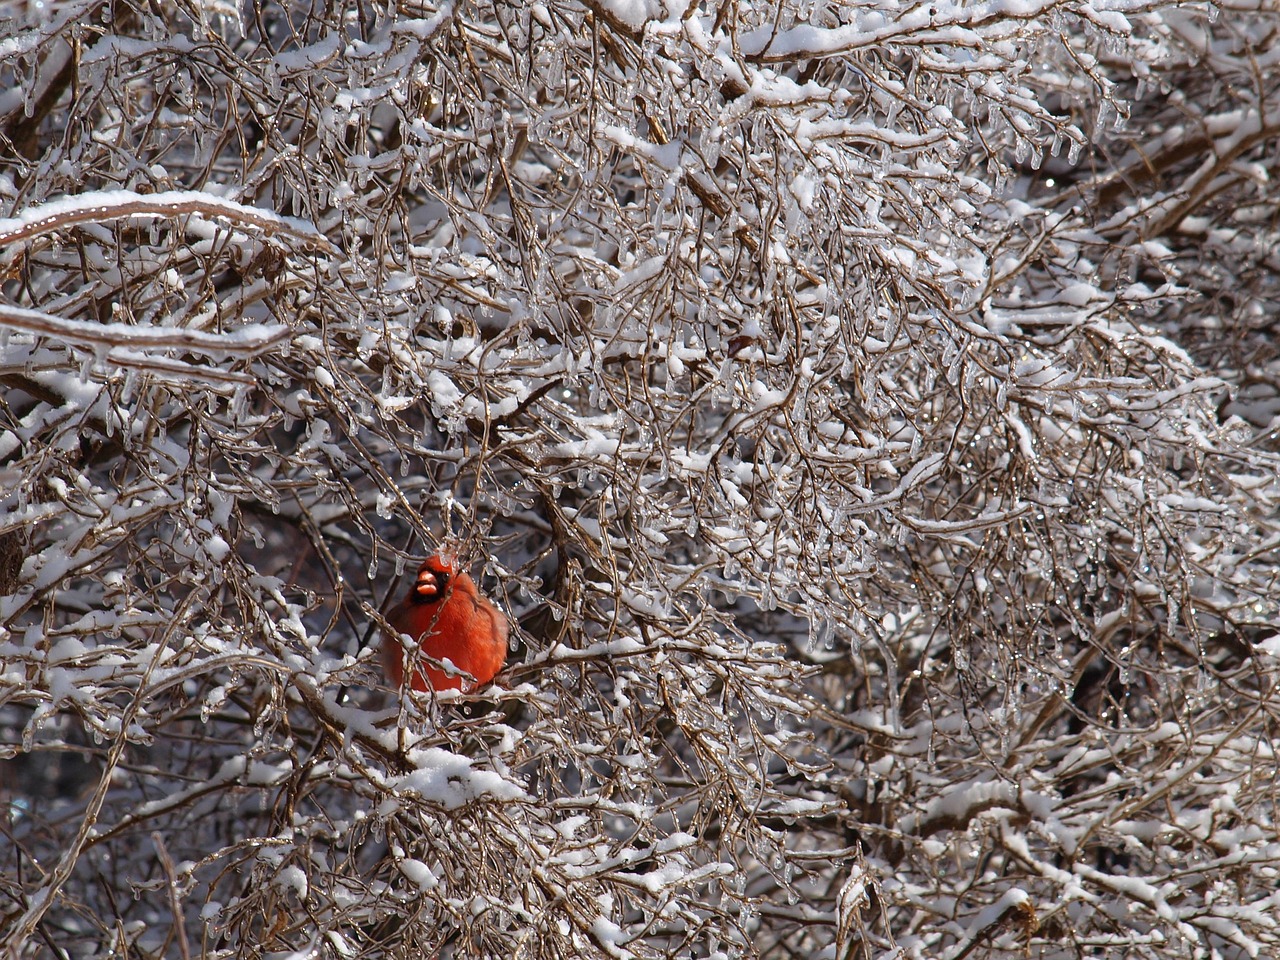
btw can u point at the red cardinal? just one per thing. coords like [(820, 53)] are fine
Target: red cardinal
[(451, 621)]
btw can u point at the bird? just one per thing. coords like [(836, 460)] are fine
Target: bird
[(450, 620)]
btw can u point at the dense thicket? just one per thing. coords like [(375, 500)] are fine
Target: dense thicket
[(867, 413)]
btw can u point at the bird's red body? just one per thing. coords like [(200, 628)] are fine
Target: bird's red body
[(451, 621)]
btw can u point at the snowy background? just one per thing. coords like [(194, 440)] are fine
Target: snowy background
[(868, 415)]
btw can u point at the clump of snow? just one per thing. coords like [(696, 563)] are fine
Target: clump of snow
[(450, 780)]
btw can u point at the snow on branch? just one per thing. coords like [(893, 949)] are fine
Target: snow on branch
[(247, 341), (104, 205)]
